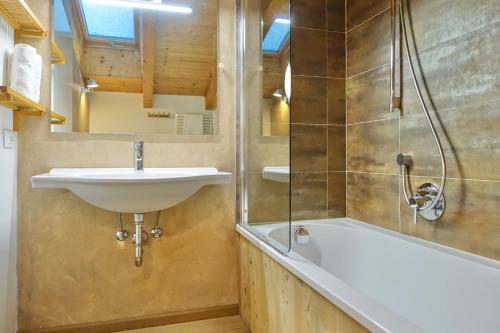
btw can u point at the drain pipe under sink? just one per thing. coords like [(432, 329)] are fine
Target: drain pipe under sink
[(138, 221)]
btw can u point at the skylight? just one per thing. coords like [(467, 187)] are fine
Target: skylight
[(108, 21), (60, 20), (276, 36)]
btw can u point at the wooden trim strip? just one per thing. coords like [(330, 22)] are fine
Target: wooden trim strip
[(144, 322)]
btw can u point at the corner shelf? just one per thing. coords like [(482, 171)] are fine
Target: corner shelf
[(21, 17), (58, 57), (20, 104)]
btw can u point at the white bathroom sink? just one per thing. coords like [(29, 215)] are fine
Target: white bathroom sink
[(277, 174), (122, 190)]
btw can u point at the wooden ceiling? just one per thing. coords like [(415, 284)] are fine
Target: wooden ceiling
[(175, 54)]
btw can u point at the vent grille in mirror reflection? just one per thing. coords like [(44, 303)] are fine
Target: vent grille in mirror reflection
[(194, 123)]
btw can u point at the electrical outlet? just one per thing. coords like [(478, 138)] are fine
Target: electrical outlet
[(9, 138)]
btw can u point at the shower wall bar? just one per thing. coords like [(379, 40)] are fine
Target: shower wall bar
[(395, 101)]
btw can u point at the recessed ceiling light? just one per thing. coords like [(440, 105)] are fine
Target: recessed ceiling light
[(149, 5)]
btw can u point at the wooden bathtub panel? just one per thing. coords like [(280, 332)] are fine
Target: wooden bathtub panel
[(244, 283), (276, 301)]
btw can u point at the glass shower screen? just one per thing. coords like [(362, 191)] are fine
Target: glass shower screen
[(264, 103)]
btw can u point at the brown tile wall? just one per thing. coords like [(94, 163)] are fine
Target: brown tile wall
[(459, 46), (318, 128)]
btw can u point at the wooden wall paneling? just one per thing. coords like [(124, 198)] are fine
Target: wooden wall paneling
[(244, 301)]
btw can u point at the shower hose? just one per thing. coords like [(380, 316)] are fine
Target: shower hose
[(407, 192)]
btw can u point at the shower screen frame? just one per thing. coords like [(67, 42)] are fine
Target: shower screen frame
[(242, 136)]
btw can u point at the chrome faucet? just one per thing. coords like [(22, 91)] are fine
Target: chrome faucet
[(139, 156)]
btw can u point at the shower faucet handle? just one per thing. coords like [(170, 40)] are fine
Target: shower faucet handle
[(414, 206)]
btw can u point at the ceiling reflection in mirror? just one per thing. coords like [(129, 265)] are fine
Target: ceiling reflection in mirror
[(134, 66)]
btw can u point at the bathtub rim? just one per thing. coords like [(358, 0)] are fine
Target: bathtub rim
[(371, 314), (468, 256)]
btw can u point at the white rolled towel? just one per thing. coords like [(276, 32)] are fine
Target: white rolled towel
[(25, 71), (37, 78), (23, 53), (21, 79)]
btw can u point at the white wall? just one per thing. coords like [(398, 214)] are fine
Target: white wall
[(8, 206), (62, 83), (123, 112)]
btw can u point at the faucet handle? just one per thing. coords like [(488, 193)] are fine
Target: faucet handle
[(414, 206)]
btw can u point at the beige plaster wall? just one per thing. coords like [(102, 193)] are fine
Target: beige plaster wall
[(108, 107), (62, 85), (71, 270)]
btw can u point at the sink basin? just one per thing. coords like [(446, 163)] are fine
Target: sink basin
[(124, 191), (277, 174)]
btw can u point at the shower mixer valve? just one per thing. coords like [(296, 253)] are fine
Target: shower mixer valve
[(421, 203), (425, 201)]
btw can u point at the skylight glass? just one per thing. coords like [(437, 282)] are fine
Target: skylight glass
[(60, 20), (276, 36), (108, 21)]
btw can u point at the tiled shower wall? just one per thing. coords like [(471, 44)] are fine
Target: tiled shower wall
[(458, 44), (318, 109), (344, 140)]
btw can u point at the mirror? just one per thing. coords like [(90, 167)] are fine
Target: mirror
[(276, 91), (135, 66)]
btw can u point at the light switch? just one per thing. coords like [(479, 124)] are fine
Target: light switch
[(8, 139)]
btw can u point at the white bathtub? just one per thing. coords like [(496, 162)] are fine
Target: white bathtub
[(390, 282)]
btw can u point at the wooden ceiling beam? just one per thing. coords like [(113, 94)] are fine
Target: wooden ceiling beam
[(119, 84), (148, 57)]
